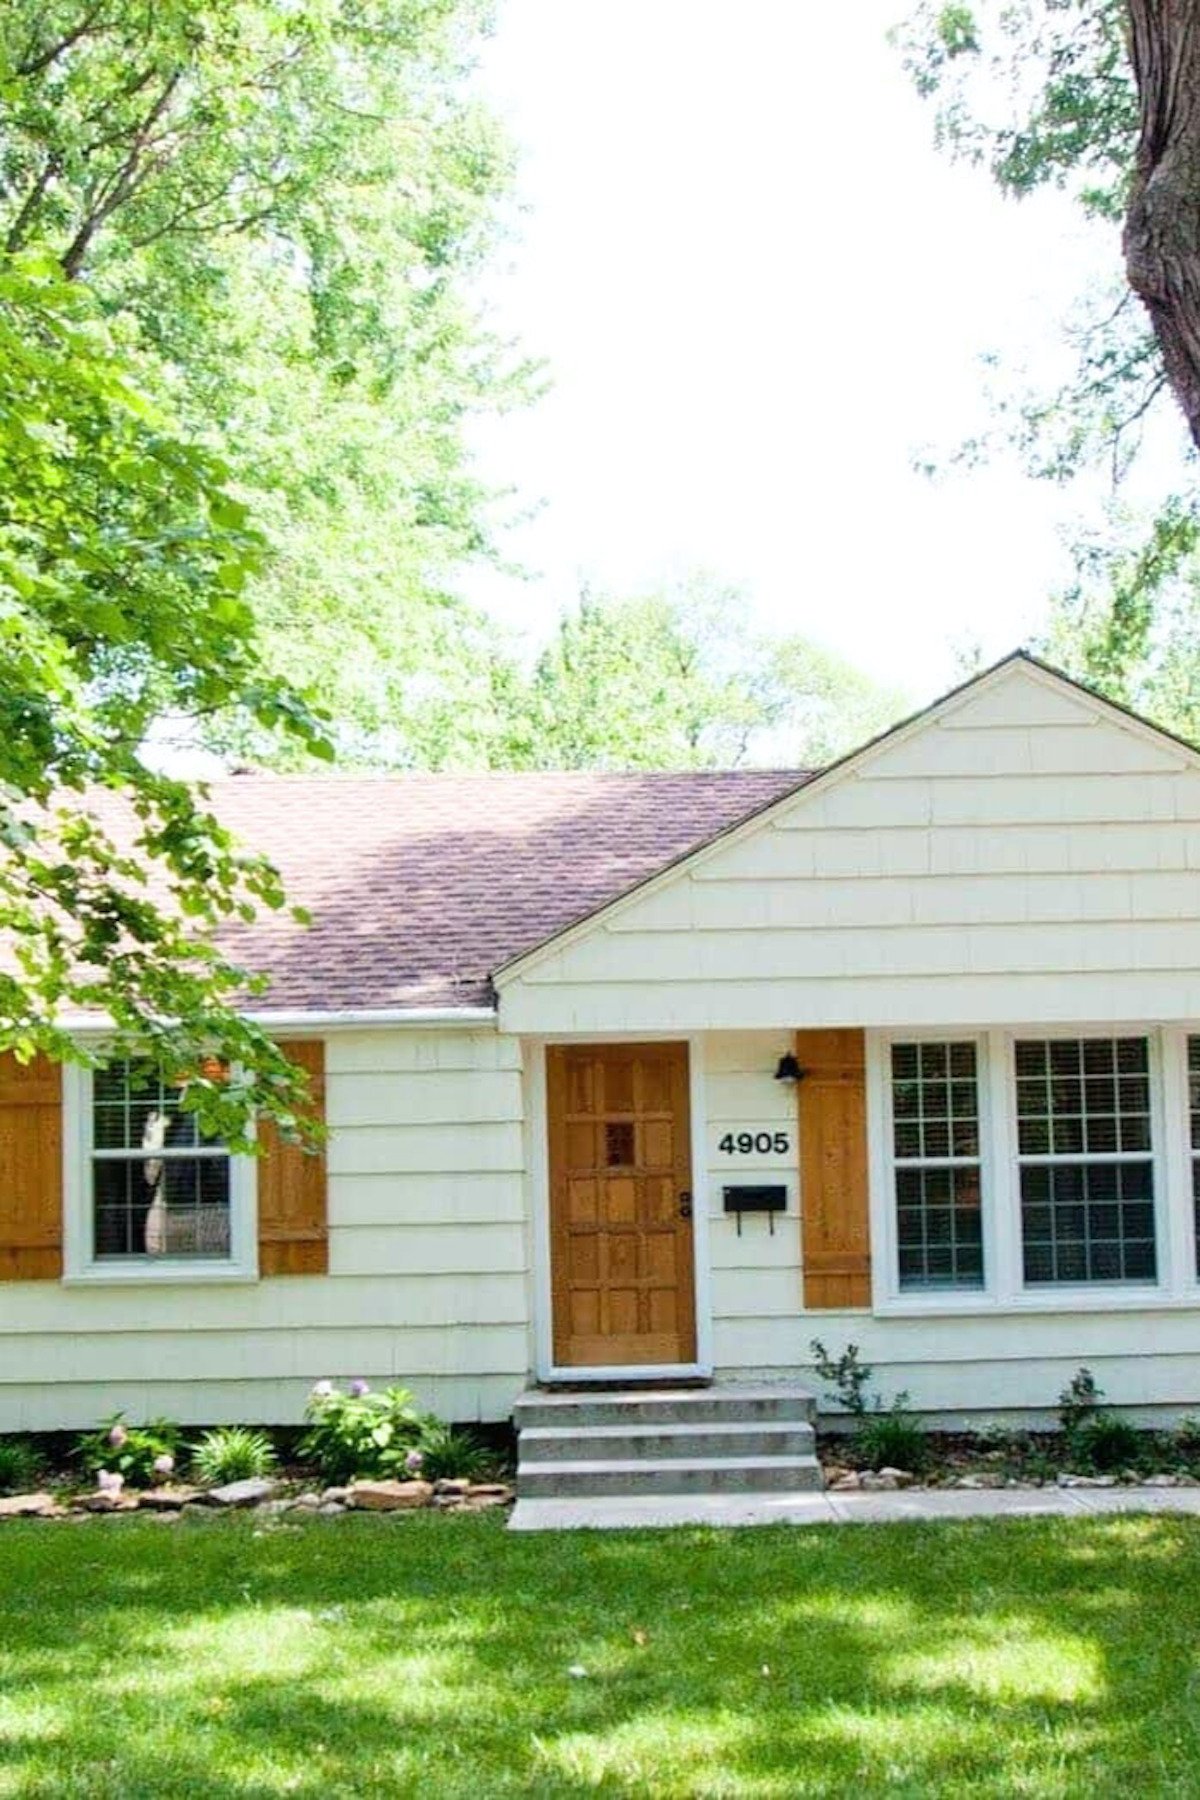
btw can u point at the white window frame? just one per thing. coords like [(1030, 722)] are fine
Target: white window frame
[(884, 1173), (1114, 1159), (1177, 1284), (80, 1263)]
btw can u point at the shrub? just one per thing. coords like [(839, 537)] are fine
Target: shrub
[(1079, 1401), (141, 1454), (20, 1466), (846, 1375), (1105, 1442), (1187, 1440), (891, 1439), (359, 1432), (449, 1454), (231, 1453)]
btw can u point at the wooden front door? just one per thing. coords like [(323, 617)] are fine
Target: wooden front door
[(620, 1205)]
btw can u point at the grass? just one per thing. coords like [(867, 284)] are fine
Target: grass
[(376, 1657)]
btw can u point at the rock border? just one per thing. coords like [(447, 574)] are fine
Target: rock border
[(265, 1498)]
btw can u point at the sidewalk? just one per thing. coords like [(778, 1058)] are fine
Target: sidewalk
[(848, 1508)]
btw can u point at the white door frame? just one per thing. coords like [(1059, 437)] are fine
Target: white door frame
[(538, 1189)]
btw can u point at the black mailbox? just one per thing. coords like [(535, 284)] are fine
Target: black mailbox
[(763, 1199)]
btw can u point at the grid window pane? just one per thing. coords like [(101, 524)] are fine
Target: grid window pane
[(1087, 1209), (155, 1200), (935, 1144)]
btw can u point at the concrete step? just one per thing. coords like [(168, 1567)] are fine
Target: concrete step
[(675, 1475), (658, 1443), (665, 1406)]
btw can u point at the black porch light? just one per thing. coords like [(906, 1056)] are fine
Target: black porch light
[(789, 1069)]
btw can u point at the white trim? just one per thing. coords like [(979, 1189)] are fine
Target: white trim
[(886, 1292), (368, 1019), (80, 1265), (1177, 1286), (538, 1189)]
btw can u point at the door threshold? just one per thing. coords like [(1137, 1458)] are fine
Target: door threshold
[(643, 1375)]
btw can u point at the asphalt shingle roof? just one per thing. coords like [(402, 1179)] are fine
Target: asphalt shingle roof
[(420, 886)]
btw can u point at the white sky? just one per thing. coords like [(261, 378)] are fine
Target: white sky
[(760, 292)]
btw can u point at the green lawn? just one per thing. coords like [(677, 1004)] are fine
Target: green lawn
[(366, 1656)]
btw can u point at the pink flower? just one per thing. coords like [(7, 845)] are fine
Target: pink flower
[(414, 1462), (165, 1464), (109, 1482), (359, 1388), (322, 1390), (118, 1436)]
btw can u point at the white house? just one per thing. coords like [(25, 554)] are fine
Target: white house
[(556, 1022)]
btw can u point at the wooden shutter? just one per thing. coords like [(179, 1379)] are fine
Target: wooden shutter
[(293, 1230), (31, 1198), (836, 1232)]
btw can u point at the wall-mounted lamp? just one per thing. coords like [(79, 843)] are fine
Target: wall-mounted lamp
[(789, 1069)]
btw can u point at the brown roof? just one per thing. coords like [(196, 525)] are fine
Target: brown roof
[(421, 886)]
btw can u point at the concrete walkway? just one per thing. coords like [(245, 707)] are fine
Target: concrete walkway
[(847, 1508)]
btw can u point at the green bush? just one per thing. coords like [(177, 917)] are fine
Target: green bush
[(141, 1454), (1079, 1402), (20, 1466), (1187, 1440), (448, 1454), (360, 1432), (231, 1453), (891, 1439), (1105, 1442)]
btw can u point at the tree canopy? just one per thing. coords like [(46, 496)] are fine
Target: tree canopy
[(1089, 97), (681, 678)]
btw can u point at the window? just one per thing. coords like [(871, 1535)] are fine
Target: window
[(1193, 1067), (1084, 1153), (158, 1189), (935, 1153)]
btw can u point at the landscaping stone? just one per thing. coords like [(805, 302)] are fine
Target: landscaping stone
[(1161, 1481), (341, 1494), (306, 1502), (847, 1482), (331, 1509), (389, 1496), (902, 1477), (987, 1478), (169, 1499), (27, 1506), (108, 1503), (489, 1490), (242, 1493), (877, 1481), (479, 1499), (450, 1488)]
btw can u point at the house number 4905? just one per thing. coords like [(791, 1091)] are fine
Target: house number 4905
[(755, 1143)]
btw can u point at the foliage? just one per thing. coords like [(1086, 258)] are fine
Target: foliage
[(891, 1438), (141, 1454), (1106, 1442), (681, 679), (883, 1435), (1187, 1439), (1079, 1401), (847, 1375), (123, 557), (231, 1453), (20, 1465), (449, 1453), (1035, 1656), (361, 1431), (1041, 94), (283, 209)]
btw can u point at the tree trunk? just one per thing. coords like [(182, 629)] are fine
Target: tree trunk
[(1162, 225)]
